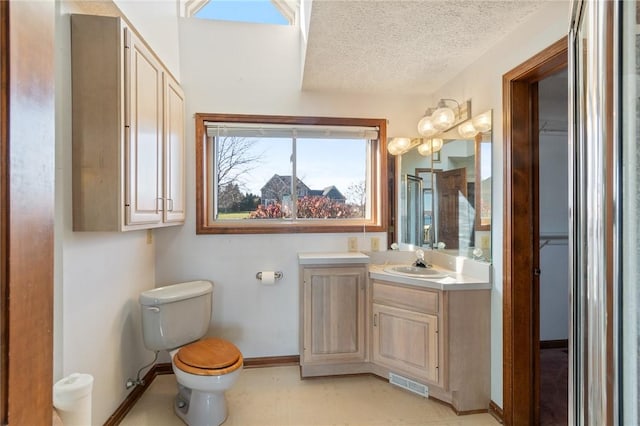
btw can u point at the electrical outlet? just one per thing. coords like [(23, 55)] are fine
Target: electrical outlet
[(352, 242), (375, 244), (149, 236), (484, 241)]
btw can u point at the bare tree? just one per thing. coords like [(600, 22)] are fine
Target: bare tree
[(357, 193), (235, 158)]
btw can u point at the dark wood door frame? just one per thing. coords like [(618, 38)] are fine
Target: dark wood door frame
[(27, 152), (520, 251)]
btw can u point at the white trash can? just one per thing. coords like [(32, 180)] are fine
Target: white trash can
[(72, 399)]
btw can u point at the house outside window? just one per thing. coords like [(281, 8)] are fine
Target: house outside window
[(277, 174)]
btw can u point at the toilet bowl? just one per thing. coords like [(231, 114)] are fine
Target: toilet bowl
[(204, 371), (174, 318)]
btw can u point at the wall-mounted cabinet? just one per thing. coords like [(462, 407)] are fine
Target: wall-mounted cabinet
[(128, 131)]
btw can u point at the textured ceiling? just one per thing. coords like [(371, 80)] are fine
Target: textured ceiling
[(402, 47)]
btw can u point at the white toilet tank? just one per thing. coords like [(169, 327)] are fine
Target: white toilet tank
[(175, 315)]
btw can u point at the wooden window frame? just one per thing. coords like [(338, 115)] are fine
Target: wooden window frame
[(379, 201)]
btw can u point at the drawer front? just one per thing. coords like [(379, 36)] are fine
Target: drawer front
[(415, 299)]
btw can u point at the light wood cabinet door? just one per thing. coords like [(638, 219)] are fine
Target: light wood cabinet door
[(128, 131), (406, 341), (143, 73), (174, 155), (334, 314)]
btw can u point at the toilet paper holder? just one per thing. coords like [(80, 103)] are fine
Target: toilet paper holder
[(277, 275)]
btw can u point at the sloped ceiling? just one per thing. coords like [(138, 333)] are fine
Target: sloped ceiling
[(402, 47)]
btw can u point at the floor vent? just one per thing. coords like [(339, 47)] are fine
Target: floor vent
[(409, 385)]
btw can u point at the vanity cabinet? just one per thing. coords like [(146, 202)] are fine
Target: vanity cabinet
[(333, 319), (406, 341), (405, 336), (127, 131), (435, 337)]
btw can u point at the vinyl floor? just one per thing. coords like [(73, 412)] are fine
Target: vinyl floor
[(276, 396)]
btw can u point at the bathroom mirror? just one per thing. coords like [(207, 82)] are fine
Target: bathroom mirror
[(444, 198)]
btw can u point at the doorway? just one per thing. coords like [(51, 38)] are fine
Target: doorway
[(553, 219), (521, 252)]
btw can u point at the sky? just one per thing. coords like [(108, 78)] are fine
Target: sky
[(321, 162), (259, 11)]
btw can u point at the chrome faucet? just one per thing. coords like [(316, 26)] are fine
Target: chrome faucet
[(426, 235), (419, 263)]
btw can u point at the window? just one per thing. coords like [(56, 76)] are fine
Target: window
[(277, 12), (277, 174)]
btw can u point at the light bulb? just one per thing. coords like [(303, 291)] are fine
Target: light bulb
[(426, 127), (436, 144), (398, 145), (443, 118), (424, 148), (482, 122), (466, 130)]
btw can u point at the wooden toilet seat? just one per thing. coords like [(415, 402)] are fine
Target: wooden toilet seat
[(209, 357)]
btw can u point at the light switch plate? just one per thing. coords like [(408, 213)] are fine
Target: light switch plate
[(375, 244)]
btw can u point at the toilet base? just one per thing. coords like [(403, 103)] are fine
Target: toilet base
[(197, 408)]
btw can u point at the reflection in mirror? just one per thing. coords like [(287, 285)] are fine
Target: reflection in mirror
[(445, 197)]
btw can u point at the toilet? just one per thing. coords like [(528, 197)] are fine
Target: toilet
[(175, 318)]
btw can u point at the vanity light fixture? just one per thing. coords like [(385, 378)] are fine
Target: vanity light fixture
[(482, 122), (444, 117), (479, 124), (436, 144), (440, 118), (398, 146), (435, 122), (425, 148), (426, 127), (466, 130), (429, 146)]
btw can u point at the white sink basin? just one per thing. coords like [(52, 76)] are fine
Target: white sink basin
[(414, 271)]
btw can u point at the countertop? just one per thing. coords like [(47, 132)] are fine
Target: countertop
[(453, 281), (332, 258)]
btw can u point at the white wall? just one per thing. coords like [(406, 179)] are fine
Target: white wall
[(98, 276), (253, 70), (482, 83), (156, 21)]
